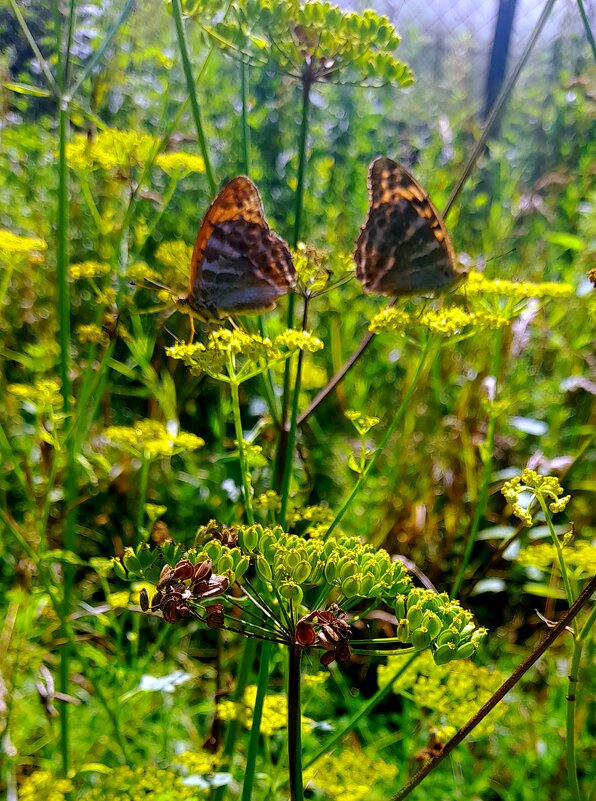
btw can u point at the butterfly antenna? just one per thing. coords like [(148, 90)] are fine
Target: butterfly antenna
[(156, 286)]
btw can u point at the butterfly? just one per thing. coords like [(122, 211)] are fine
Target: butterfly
[(239, 265), (403, 248)]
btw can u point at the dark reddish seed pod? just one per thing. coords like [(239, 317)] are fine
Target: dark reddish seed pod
[(215, 616), (304, 635), (343, 652), (184, 570), (202, 571), (144, 599), (165, 577), (327, 658)]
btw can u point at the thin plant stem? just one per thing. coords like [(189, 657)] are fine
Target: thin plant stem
[(294, 724), (244, 78), (257, 714), (401, 409), (562, 566), (482, 499), (143, 484), (587, 28), (190, 84), (502, 691), (291, 435), (297, 233), (578, 644), (244, 472), (43, 64)]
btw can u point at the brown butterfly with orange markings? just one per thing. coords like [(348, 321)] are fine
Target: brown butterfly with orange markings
[(403, 247), (239, 265)]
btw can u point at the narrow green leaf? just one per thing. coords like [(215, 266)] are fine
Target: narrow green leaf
[(25, 89)]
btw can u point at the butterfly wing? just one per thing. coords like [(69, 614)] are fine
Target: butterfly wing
[(238, 264), (403, 247)]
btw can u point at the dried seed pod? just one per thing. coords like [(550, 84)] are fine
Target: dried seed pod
[(144, 600)]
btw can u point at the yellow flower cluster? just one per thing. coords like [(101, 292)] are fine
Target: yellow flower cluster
[(147, 782), (351, 774), (258, 351), (362, 422), (449, 320), (545, 487), (451, 694), (88, 269), (43, 784), (174, 254), (140, 271), (275, 710), (110, 150), (150, 439), (311, 265), (199, 762), (179, 164), (92, 334), (13, 244), (478, 284), (268, 501), (44, 393), (579, 557)]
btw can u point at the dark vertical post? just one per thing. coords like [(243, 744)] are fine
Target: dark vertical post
[(499, 53)]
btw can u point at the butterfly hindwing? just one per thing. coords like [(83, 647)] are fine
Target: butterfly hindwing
[(238, 263), (404, 247)]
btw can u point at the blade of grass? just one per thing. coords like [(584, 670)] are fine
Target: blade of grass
[(43, 64), (194, 103)]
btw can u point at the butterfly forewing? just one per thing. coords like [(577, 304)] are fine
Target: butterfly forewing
[(404, 247), (238, 263)]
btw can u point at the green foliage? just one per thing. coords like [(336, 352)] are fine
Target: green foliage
[(110, 476)]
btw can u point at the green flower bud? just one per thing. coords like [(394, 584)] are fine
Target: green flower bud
[(367, 584), (400, 607), (225, 563), (263, 568), (433, 624), (131, 561), (249, 538), (213, 550), (414, 615), (420, 638), (118, 568), (403, 630), (291, 591), (444, 654), (348, 568), (267, 545), (351, 585), (465, 651), (301, 572), (242, 566), (330, 571), (446, 636)]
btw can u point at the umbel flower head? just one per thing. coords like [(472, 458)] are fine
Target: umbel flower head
[(149, 439), (545, 488), (315, 41), (280, 597)]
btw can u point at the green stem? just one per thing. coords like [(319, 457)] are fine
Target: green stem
[(302, 154), (587, 28), (143, 484), (244, 473), (257, 714), (242, 678), (482, 499), (43, 64), (194, 103), (363, 478), (244, 76), (563, 567), (291, 434), (294, 724), (574, 673)]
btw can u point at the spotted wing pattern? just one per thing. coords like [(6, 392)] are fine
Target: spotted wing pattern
[(238, 263), (403, 247)]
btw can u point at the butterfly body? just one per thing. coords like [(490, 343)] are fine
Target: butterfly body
[(239, 265), (403, 248)]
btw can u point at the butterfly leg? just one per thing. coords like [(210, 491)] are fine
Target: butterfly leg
[(192, 330)]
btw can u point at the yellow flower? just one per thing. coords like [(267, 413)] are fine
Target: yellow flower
[(298, 340), (175, 254), (111, 149), (43, 784), (180, 163), (150, 439), (448, 320), (268, 501), (350, 774), (140, 271), (88, 269), (362, 423), (478, 284), (43, 393), (546, 487), (92, 334), (13, 244), (580, 557)]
